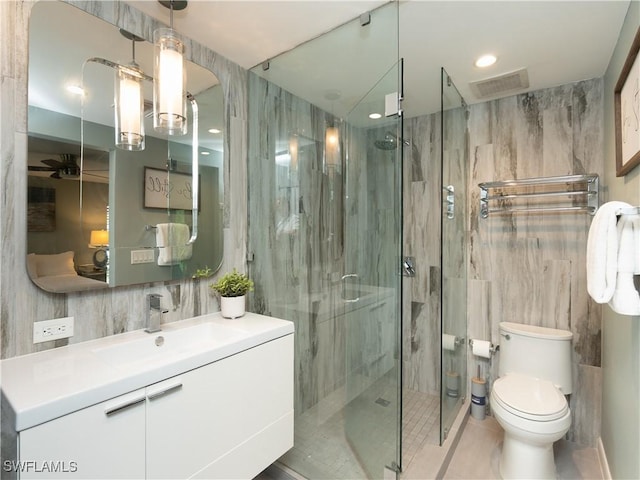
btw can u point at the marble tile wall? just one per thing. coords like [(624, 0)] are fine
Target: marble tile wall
[(525, 268), (421, 240), (116, 310), (298, 270), (296, 264), (530, 268), (438, 245)]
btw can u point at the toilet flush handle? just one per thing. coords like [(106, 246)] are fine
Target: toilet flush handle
[(506, 336)]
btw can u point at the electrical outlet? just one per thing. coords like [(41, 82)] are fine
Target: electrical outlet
[(55, 329), (146, 255)]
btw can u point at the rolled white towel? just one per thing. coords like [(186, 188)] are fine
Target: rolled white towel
[(602, 252)]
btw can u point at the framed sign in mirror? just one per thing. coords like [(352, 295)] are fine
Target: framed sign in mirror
[(627, 112), (164, 189)]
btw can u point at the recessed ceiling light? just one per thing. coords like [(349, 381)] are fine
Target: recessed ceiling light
[(204, 152), (214, 130), (75, 89), (486, 61), (375, 116)]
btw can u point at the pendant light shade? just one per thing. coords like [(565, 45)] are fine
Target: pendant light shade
[(293, 152), (332, 146), (129, 103), (169, 80)]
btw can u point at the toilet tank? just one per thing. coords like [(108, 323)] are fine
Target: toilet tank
[(539, 352)]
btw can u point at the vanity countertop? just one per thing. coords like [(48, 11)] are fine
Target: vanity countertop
[(45, 385)]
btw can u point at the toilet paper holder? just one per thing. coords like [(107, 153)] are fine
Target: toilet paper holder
[(492, 349)]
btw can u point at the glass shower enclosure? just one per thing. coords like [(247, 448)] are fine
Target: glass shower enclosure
[(325, 183), (454, 155)]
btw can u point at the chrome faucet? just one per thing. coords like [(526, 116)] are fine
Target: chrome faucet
[(154, 313)]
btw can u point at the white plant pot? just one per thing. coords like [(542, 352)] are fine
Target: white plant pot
[(232, 307)]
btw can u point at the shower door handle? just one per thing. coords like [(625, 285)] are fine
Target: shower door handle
[(345, 283)]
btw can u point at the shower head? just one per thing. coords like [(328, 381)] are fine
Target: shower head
[(386, 144), (390, 142)]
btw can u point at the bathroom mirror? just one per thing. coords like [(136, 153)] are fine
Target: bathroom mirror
[(92, 210)]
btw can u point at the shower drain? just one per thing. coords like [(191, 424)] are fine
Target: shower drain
[(383, 402)]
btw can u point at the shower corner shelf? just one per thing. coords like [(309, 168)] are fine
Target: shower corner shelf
[(507, 194)]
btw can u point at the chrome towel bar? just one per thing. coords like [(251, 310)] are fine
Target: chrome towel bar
[(582, 189)]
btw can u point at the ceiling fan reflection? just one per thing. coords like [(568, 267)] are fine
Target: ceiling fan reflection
[(65, 168)]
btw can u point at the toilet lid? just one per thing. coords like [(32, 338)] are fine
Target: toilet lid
[(530, 397)]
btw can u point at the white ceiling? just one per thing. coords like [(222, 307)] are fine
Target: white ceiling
[(558, 42)]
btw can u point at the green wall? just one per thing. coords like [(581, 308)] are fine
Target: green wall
[(621, 334)]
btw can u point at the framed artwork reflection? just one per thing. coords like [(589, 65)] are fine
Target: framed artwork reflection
[(627, 112)]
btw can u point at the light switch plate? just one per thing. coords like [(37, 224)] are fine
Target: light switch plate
[(145, 255)]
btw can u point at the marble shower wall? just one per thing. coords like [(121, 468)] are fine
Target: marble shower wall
[(306, 231), (293, 236), (530, 268), (110, 311), (421, 240), (438, 245)]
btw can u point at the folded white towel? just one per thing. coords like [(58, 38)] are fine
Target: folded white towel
[(602, 252), (171, 239), (626, 299), (636, 241), (627, 251)]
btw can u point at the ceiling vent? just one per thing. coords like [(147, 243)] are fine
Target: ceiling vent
[(500, 85)]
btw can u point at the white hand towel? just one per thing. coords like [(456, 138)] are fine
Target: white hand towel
[(636, 241), (626, 300), (171, 239), (602, 252)]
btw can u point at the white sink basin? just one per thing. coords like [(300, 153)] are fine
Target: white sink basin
[(167, 344)]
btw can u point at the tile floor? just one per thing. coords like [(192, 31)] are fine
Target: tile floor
[(475, 454), (321, 449)]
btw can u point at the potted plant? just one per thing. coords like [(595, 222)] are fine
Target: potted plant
[(232, 288)]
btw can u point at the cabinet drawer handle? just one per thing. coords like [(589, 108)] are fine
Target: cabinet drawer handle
[(165, 391), (119, 408)]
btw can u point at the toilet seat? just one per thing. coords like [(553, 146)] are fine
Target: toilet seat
[(529, 398)]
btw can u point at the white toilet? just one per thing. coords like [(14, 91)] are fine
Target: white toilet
[(528, 400)]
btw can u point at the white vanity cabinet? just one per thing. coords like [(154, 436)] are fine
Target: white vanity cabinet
[(224, 413), (229, 419), (102, 441)]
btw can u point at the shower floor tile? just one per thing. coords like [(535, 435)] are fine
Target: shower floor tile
[(420, 423), (321, 449)]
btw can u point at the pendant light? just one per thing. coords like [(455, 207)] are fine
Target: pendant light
[(332, 136), (332, 146), (169, 78), (129, 102)]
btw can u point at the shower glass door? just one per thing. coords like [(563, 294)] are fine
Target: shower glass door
[(324, 239), (453, 217), (371, 284)]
